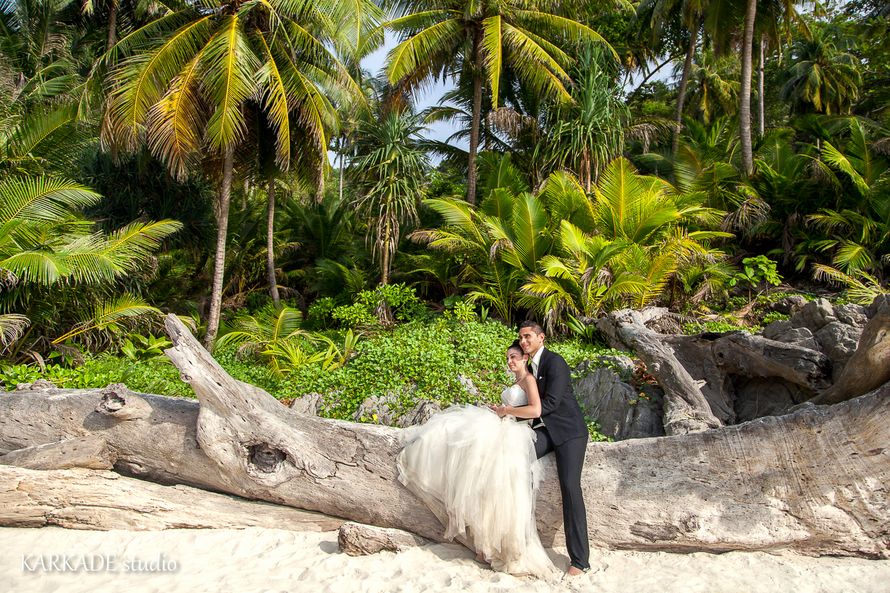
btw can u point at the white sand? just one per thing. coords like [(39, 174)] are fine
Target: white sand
[(255, 560)]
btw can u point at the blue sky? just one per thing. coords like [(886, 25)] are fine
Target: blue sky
[(430, 95), (424, 98)]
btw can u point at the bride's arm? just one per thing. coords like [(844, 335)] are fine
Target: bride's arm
[(530, 410)]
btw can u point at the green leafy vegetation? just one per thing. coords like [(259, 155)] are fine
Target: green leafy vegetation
[(174, 159)]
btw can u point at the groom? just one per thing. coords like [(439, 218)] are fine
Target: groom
[(561, 429)]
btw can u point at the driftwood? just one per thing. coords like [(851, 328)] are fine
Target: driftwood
[(869, 367), (701, 374), (812, 481), (90, 499), (89, 452), (357, 539), (686, 408)]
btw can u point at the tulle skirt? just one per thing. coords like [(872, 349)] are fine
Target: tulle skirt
[(479, 474)]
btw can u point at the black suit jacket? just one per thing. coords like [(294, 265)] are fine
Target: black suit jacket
[(559, 409)]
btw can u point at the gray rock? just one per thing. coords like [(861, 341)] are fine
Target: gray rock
[(838, 341), (777, 328), (758, 397), (622, 365), (308, 404), (419, 414), (814, 315), (851, 314), (468, 385), (880, 301), (376, 409), (619, 409), (666, 324), (38, 385), (799, 336), (789, 304)]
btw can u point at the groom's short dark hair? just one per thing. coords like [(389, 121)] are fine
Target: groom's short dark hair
[(533, 325)]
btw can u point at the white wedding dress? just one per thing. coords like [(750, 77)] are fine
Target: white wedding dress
[(478, 473)]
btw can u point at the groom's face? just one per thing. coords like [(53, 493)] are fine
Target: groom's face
[(530, 340)]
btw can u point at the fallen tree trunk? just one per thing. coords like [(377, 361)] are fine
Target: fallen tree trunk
[(812, 481), (869, 367), (90, 499), (686, 409)]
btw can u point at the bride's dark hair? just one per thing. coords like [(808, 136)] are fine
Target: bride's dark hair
[(515, 345)]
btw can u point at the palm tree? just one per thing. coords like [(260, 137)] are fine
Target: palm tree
[(634, 234), (745, 91), (858, 229), (391, 166), (45, 243), (659, 14), (500, 242), (481, 40), (182, 82), (588, 133), (772, 12), (822, 77), (714, 86), (275, 334)]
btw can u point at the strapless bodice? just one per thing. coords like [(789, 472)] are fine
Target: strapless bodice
[(514, 396)]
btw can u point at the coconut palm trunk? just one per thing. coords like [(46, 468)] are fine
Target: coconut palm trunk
[(385, 251), (342, 163), (761, 103), (684, 83), (585, 169), (477, 116), (112, 23), (219, 260), (270, 245), (745, 92)]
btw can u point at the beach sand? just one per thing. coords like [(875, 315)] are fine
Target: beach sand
[(269, 560)]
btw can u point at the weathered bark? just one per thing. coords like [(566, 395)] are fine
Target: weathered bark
[(87, 452), (686, 409), (261, 449), (113, 8), (761, 99), (812, 481), (711, 364), (357, 539), (89, 499), (476, 116), (681, 96), (869, 367), (219, 259), (745, 90), (270, 242)]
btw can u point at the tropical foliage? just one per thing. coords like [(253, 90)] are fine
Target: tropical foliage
[(173, 157)]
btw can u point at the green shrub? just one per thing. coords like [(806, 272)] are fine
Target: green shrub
[(321, 313), (756, 271), (148, 376), (716, 326), (354, 315), (401, 300), (773, 316)]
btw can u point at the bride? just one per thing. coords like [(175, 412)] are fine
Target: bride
[(477, 471)]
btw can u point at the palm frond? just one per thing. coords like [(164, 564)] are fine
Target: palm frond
[(42, 199), (12, 326), (109, 315)]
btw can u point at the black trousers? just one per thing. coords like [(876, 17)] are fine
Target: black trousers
[(569, 461)]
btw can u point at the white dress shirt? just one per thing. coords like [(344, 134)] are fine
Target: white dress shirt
[(536, 361)]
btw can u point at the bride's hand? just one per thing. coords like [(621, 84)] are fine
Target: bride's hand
[(501, 411)]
